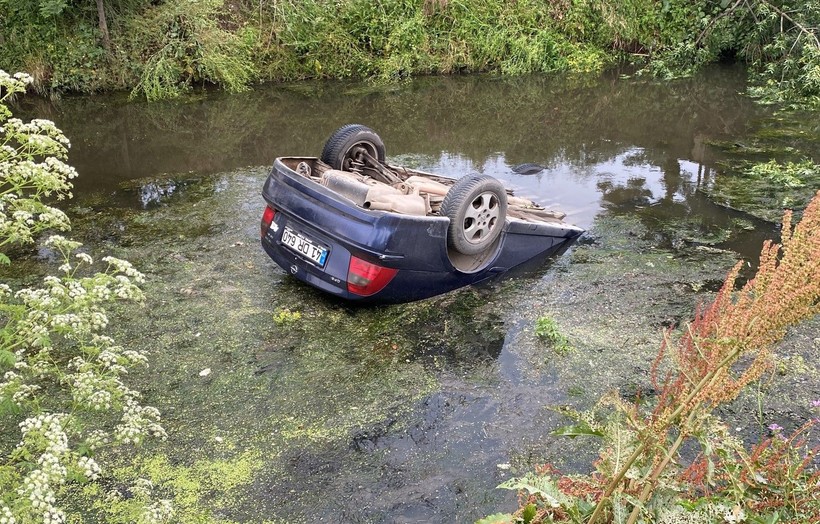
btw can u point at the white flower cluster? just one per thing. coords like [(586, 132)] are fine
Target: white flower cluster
[(6, 152), (137, 422), (24, 392), (34, 328), (17, 227), (61, 243), (75, 289), (52, 175), (126, 290), (41, 363), (89, 468), (48, 128), (135, 357), (63, 170), (38, 298), (93, 390), (100, 291), (19, 80), (53, 218), (68, 321), (125, 267), (41, 134), (11, 381), (61, 318), (38, 485), (98, 320), (158, 513), (6, 517), (96, 439), (77, 300), (23, 217)]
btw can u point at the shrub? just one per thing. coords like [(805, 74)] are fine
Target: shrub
[(184, 42)]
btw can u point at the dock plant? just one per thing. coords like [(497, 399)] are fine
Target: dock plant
[(641, 474), (63, 394)]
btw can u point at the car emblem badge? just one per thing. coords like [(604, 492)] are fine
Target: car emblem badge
[(294, 269)]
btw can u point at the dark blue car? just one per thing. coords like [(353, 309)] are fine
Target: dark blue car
[(356, 227)]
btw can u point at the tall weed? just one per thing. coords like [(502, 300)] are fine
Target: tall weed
[(641, 475)]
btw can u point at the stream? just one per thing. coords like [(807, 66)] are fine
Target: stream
[(315, 410)]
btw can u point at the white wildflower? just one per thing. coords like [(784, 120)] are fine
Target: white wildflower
[(90, 469), (85, 257)]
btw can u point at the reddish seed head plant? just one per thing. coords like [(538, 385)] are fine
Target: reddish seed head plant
[(727, 346)]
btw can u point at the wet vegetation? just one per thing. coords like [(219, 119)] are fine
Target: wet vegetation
[(161, 49), (774, 168)]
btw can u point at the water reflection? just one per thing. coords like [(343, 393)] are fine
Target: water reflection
[(610, 143), (152, 193)]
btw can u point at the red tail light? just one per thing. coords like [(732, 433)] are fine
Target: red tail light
[(267, 218), (365, 279)]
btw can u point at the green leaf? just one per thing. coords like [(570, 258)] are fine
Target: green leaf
[(498, 518), (541, 486), (529, 513), (577, 430), (8, 407), (4, 259), (7, 359)]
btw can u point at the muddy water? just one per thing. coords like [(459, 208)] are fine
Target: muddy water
[(324, 412)]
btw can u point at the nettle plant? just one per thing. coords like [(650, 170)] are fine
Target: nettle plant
[(62, 394)]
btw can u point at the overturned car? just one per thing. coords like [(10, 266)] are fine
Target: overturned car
[(356, 227)]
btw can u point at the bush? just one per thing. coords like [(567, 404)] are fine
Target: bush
[(183, 42)]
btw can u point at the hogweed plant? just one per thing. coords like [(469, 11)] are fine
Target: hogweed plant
[(62, 393), (640, 474)]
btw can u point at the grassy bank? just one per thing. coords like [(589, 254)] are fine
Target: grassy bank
[(160, 49)]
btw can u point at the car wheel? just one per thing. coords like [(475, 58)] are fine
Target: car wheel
[(347, 145), (477, 208)]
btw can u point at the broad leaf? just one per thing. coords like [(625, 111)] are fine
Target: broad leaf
[(577, 430)]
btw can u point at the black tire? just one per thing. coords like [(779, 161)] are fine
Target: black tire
[(349, 141), (477, 208)]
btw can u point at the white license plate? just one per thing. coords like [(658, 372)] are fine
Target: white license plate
[(305, 247)]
